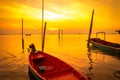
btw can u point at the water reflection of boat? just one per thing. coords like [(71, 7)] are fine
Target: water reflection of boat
[(90, 74), (104, 53), (46, 67), (117, 74)]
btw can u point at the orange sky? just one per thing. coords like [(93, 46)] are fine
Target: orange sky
[(73, 16)]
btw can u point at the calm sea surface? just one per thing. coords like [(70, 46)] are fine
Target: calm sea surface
[(70, 48)]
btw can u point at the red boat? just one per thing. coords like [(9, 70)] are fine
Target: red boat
[(47, 67)]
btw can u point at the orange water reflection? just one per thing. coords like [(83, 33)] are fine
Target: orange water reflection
[(70, 48)]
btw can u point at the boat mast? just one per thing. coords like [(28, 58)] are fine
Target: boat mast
[(22, 36), (88, 44)]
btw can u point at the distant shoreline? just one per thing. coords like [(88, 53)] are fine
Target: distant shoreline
[(57, 33)]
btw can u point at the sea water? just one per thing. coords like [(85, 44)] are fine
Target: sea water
[(71, 48)]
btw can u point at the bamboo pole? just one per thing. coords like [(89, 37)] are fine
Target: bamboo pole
[(59, 33), (62, 33), (90, 30), (42, 20), (22, 36), (43, 41)]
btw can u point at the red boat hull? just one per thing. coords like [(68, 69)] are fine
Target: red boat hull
[(46, 67)]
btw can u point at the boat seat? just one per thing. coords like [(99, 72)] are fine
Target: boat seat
[(45, 68)]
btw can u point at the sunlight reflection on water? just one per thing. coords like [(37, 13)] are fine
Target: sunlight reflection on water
[(71, 49)]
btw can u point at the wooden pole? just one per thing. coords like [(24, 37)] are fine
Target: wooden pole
[(22, 36), (62, 34), (42, 20), (43, 41), (88, 44), (59, 33), (104, 35)]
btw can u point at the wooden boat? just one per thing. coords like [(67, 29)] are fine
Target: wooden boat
[(47, 67), (105, 45), (28, 34), (118, 31)]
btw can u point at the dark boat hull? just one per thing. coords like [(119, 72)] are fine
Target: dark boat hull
[(32, 75), (106, 46)]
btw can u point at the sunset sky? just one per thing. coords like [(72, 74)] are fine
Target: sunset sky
[(73, 16)]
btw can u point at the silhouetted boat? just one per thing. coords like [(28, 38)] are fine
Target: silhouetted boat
[(28, 34), (47, 67), (105, 45), (118, 31)]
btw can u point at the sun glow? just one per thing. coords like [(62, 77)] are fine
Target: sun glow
[(51, 16), (53, 29), (74, 15)]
